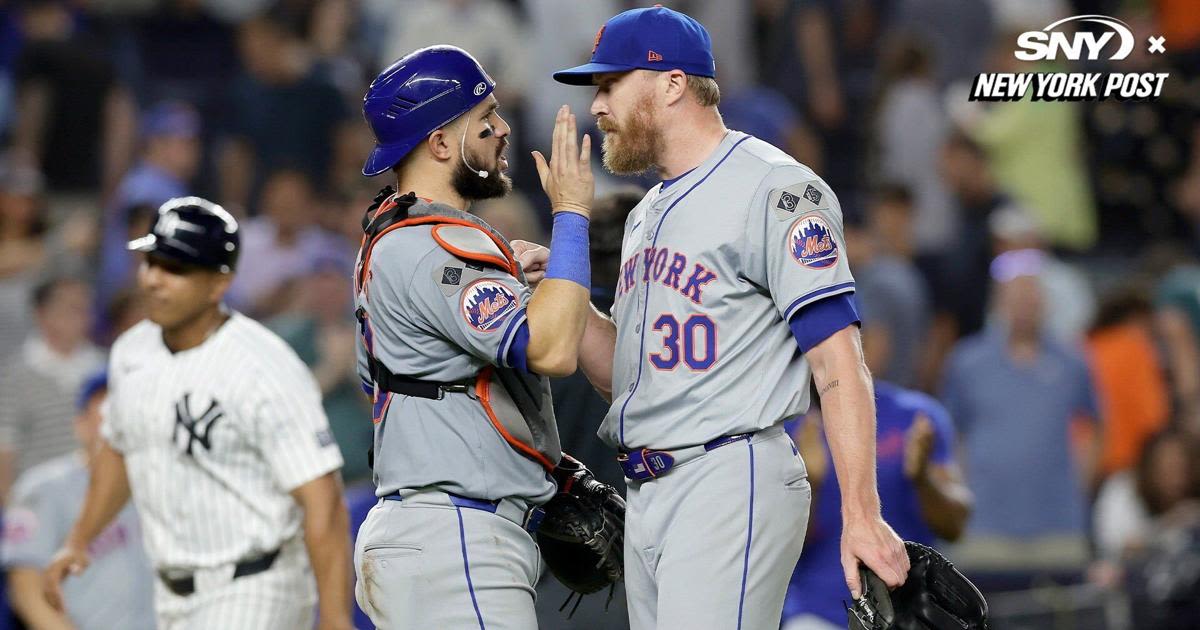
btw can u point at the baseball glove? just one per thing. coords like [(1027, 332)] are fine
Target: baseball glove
[(935, 596), (582, 533)]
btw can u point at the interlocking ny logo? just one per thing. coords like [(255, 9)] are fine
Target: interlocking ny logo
[(194, 429)]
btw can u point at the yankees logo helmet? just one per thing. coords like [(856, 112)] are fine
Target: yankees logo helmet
[(194, 232)]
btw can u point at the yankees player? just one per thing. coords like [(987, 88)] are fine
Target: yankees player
[(216, 429), (456, 349), (736, 252)]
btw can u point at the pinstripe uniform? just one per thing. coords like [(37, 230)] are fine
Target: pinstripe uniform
[(705, 371), (214, 439)]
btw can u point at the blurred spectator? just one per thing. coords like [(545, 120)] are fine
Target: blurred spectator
[(1161, 536), (281, 113), (891, 295), (1166, 478), (579, 410), (489, 29), (1131, 384), (559, 33), (321, 331), (823, 55), (37, 384), (169, 158), (118, 589), (1013, 392), (184, 54), (769, 116), (513, 216), (920, 487), (75, 122), (279, 245), (955, 33), (1070, 312), (959, 279), (1036, 150), (912, 129), (22, 249), (1177, 315)]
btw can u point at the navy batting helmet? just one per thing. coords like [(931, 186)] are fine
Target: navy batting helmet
[(195, 232), (418, 95)]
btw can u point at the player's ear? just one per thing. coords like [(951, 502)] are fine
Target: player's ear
[(440, 145), (219, 285), (673, 86)]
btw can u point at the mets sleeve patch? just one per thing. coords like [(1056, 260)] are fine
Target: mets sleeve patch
[(812, 243), (487, 303)]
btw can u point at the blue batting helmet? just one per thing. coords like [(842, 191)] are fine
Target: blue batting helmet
[(195, 232), (418, 95)]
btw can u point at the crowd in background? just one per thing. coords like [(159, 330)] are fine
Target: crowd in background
[(1033, 266)]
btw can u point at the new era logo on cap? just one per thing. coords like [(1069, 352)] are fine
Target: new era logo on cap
[(653, 56)]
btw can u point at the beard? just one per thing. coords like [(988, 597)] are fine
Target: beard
[(470, 186), (632, 148)]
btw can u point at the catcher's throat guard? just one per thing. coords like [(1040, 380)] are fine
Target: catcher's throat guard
[(516, 403)]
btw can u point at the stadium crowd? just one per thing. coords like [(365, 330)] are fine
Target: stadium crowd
[(1032, 268)]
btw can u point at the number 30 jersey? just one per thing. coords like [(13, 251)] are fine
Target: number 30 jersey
[(712, 269)]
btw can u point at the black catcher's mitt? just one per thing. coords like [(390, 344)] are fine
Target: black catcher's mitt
[(583, 532), (935, 596)]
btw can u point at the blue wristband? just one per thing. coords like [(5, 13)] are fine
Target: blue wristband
[(570, 258)]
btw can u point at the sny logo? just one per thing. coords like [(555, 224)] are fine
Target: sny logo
[(189, 429), (1048, 42)]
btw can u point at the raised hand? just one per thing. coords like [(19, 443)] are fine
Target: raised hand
[(567, 175)]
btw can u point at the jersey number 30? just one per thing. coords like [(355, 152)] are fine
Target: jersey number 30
[(699, 336)]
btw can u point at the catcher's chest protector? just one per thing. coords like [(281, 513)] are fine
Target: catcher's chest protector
[(517, 403)]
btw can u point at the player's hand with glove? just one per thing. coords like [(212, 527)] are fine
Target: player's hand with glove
[(935, 596), (567, 175), (582, 535), (70, 559), (868, 540)]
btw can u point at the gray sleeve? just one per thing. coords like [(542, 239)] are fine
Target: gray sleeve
[(32, 528), (478, 308), (10, 408), (795, 245)]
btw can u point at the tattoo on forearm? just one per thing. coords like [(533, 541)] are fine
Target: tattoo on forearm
[(831, 385)]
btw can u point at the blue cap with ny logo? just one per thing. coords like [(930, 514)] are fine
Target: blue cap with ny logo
[(654, 38)]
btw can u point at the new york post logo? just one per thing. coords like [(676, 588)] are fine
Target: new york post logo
[(487, 303), (1108, 39), (812, 244)]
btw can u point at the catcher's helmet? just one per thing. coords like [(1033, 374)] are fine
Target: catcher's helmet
[(195, 232), (418, 95)]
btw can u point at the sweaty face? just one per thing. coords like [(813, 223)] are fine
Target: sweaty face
[(176, 294), (484, 143), (624, 111)]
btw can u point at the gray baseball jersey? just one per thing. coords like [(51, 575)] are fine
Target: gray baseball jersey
[(214, 439), (435, 317), (117, 590), (713, 267)]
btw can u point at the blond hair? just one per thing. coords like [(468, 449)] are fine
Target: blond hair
[(705, 90)]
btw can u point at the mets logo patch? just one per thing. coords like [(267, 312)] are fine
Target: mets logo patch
[(812, 243), (487, 303)]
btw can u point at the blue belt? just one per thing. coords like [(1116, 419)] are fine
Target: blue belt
[(529, 519), (648, 463)]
